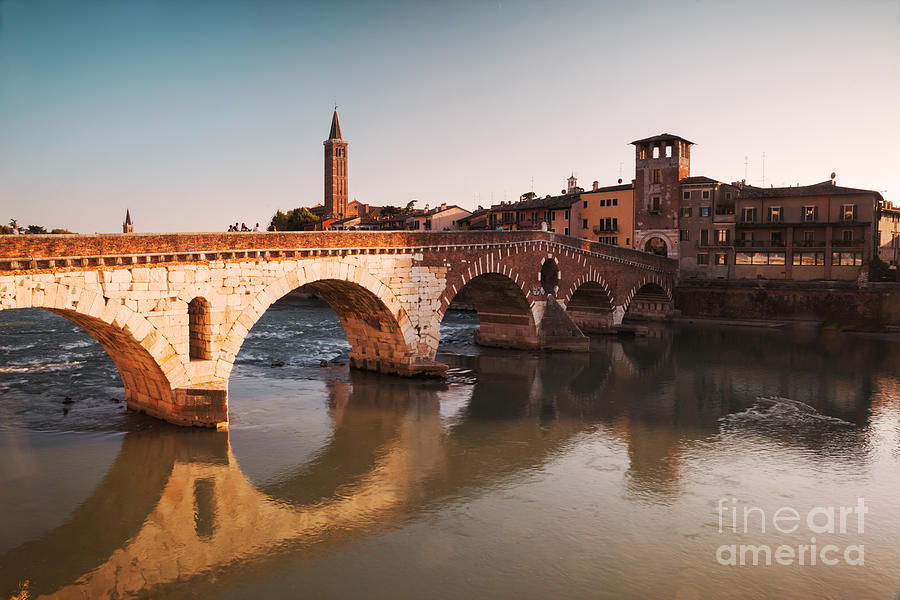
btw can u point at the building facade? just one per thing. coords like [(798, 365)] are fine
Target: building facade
[(819, 231), (606, 215), (889, 234), (706, 228), (336, 188)]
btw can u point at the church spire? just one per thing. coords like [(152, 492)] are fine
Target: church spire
[(335, 127), (127, 226)]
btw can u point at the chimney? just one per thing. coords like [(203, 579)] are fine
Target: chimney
[(596, 185), (443, 205)]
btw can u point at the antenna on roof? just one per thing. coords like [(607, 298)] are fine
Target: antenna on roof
[(746, 166), (620, 172), (764, 169)]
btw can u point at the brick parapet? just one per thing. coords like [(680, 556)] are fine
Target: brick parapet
[(49, 252)]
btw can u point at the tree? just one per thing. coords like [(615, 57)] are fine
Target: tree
[(36, 229), (293, 220), (395, 211), (61, 231)]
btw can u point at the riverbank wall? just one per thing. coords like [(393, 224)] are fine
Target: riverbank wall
[(867, 305)]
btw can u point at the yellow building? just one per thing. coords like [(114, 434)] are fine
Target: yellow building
[(606, 215)]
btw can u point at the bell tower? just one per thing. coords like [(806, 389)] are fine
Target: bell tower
[(336, 190), (661, 162)]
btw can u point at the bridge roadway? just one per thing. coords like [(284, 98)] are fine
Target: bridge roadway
[(172, 310)]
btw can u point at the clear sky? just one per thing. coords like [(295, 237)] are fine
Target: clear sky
[(197, 113)]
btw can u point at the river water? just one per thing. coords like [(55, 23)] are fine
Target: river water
[(613, 474)]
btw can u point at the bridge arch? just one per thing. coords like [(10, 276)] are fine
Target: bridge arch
[(147, 362), (381, 335), (504, 308), (590, 303), (650, 298)]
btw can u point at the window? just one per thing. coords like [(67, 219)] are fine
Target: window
[(759, 258), (810, 213), (655, 151), (728, 195), (627, 241), (615, 201), (706, 194), (775, 238), (567, 231), (585, 204), (654, 204), (657, 175), (704, 237), (552, 215), (722, 237), (704, 211), (848, 212), (642, 153), (603, 203), (808, 259), (702, 258), (615, 224), (774, 215), (686, 196), (721, 259), (748, 214), (684, 235), (846, 259), (847, 235), (567, 216), (685, 211), (809, 236), (668, 150), (584, 224)]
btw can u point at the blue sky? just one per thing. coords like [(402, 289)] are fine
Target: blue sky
[(198, 113)]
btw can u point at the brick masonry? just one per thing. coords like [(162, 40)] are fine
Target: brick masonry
[(389, 289)]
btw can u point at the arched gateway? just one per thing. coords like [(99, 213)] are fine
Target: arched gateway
[(172, 310)]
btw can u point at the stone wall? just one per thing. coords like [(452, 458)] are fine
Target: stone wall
[(870, 306)]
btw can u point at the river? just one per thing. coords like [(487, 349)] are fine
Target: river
[(628, 472)]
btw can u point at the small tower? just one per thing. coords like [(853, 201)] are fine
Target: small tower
[(572, 184), (661, 162), (336, 189), (127, 226)]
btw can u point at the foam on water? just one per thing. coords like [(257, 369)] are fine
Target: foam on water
[(781, 412)]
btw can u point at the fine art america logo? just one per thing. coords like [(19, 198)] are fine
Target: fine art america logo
[(825, 521)]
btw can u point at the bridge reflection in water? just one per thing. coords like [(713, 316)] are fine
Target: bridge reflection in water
[(176, 509)]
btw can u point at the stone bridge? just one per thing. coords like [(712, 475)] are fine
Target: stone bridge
[(172, 310)]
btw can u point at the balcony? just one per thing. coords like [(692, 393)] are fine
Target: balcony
[(759, 243), (809, 243), (847, 243), (654, 211), (601, 231), (714, 244)]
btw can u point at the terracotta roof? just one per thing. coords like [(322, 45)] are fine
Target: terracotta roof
[(816, 189), (335, 128), (663, 137), (564, 201), (479, 212), (624, 187), (699, 179)]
